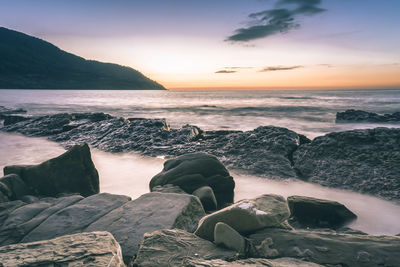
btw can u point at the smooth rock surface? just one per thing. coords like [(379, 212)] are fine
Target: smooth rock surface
[(85, 249), (252, 262), (353, 116), (247, 216), (168, 188), (150, 212), (367, 161), (328, 248), (71, 172), (207, 198), (318, 213), (177, 248), (226, 236), (193, 171)]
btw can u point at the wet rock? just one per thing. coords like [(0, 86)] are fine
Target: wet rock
[(150, 212), (227, 237), (207, 198), (193, 171), (4, 110), (355, 116), (72, 172), (282, 262), (84, 249), (247, 216), (13, 187), (367, 161), (11, 119), (318, 213), (329, 249), (177, 248)]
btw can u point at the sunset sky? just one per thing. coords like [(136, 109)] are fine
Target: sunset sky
[(226, 43)]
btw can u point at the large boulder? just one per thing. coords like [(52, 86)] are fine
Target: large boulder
[(84, 249), (367, 161), (318, 213), (177, 248), (150, 212), (192, 171), (330, 249), (247, 216), (71, 172)]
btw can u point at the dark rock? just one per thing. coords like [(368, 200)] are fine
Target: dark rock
[(13, 187), (150, 212), (367, 161), (72, 172), (177, 248), (265, 151), (193, 171), (227, 237), (247, 216), (328, 249), (11, 119), (84, 249), (7, 207), (355, 116), (318, 213), (4, 110), (207, 197)]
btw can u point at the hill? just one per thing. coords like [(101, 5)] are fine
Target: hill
[(27, 62)]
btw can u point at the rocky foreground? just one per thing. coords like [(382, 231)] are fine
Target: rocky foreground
[(366, 161), (187, 220)]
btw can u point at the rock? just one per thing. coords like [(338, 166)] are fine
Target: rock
[(7, 207), (193, 171), (4, 110), (282, 262), (328, 249), (84, 249), (150, 212), (265, 151), (177, 248), (11, 119), (168, 188), (72, 172), (318, 213), (3, 197), (355, 116), (367, 161), (247, 216), (207, 197), (13, 187), (27, 218), (75, 218), (226, 236)]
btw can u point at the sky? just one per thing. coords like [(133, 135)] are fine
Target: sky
[(243, 44)]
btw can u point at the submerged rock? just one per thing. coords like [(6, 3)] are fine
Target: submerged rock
[(72, 172), (354, 116), (329, 249), (367, 161), (193, 171), (247, 216), (84, 249), (177, 248), (318, 213)]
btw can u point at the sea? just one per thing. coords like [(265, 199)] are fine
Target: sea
[(308, 112)]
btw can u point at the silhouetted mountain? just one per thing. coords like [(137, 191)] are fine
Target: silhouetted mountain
[(27, 62)]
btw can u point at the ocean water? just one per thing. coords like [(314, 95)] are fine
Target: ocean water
[(308, 112)]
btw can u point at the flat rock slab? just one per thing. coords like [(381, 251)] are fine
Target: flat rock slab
[(71, 172), (253, 262), (328, 248), (367, 161), (84, 249), (246, 216), (150, 212), (318, 213), (177, 248)]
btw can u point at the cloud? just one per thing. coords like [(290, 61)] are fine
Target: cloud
[(281, 19), (225, 71), (278, 68)]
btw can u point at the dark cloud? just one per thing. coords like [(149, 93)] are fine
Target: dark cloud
[(277, 68), (226, 71), (278, 20)]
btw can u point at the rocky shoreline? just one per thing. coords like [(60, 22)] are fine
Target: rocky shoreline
[(189, 219), (365, 161)]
